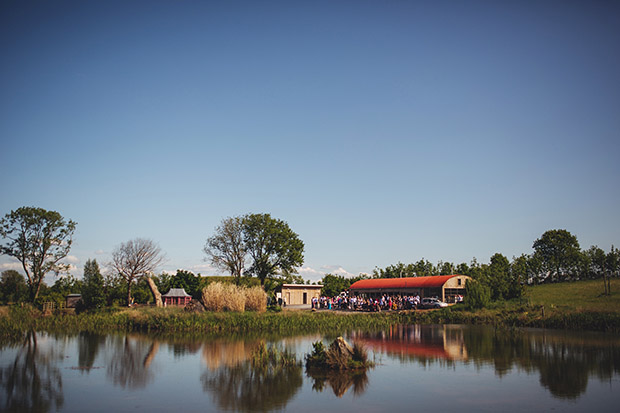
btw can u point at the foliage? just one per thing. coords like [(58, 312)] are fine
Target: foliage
[(559, 253), (39, 239), (93, 293), (498, 277), (226, 248), (272, 246), (13, 288), (477, 295), (339, 356), (334, 285), (188, 281)]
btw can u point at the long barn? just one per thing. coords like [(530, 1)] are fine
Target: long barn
[(445, 287)]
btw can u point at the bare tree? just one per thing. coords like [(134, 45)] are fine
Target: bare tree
[(226, 249), (136, 259)]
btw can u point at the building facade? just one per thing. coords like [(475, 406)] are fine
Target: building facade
[(299, 294), (445, 287)]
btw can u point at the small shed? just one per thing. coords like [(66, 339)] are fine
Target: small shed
[(71, 300), (299, 294), (176, 296)]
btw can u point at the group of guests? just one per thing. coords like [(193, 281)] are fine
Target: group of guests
[(358, 303)]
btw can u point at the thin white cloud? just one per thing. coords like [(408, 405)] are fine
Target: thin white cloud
[(11, 266), (71, 259), (337, 270), (99, 252)]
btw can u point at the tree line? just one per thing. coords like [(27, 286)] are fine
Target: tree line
[(250, 245), (557, 257), (260, 246)]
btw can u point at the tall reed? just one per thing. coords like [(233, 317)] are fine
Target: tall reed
[(255, 299)]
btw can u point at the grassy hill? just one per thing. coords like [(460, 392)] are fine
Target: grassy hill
[(576, 296)]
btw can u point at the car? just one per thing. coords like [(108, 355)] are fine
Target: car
[(429, 302)]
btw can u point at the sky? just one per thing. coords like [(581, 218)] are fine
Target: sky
[(380, 131)]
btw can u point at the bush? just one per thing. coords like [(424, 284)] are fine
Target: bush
[(223, 297), (477, 295), (255, 299)]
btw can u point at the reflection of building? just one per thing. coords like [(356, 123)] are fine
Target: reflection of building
[(418, 341), (176, 296), (445, 287), (299, 294)]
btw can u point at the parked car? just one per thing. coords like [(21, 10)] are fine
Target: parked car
[(428, 302)]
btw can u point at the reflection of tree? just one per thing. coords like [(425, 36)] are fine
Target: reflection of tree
[(252, 386), (88, 347), (564, 360), (129, 366), (339, 381), (32, 383)]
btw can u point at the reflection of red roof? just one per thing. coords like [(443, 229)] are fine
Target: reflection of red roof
[(435, 351), (397, 283)]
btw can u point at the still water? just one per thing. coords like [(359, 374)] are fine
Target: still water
[(443, 368)]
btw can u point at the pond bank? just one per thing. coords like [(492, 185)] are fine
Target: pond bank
[(169, 320)]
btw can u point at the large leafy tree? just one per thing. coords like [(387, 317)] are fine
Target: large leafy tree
[(226, 248), (559, 252), (137, 259), (93, 292), (271, 245), (39, 239)]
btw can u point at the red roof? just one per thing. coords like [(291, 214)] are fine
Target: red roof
[(398, 283)]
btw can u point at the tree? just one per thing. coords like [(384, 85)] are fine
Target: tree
[(93, 293), (334, 285), (136, 259), (559, 251), (477, 295), (188, 281), (272, 246), (39, 239), (498, 280), (13, 288), (226, 248)]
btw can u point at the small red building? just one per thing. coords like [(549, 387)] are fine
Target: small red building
[(176, 296)]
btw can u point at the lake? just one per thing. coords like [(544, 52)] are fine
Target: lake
[(436, 368)]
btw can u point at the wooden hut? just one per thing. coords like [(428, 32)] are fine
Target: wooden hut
[(176, 296)]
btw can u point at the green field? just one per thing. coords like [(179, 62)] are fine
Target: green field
[(576, 296)]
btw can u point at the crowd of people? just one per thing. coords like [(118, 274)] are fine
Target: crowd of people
[(359, 303)]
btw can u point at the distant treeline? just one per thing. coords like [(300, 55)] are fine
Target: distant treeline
[(557, 257)]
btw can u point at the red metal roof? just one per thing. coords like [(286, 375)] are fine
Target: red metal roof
[(398, 283)]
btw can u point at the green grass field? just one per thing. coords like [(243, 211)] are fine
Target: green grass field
[(576, 296)]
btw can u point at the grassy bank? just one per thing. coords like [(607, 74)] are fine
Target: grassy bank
[(577, 306)]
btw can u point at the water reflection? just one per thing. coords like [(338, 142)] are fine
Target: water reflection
[(131, 358), (32, 370), (88, 348), (339, 381), (563, 360), (32, 382), (238, 382)]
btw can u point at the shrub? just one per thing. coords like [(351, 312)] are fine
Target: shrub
[(477, 295), (255, 299), (220, 297), (234, 298), (212, 297)]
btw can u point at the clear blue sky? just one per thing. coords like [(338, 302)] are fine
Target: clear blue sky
[(381, 131)]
